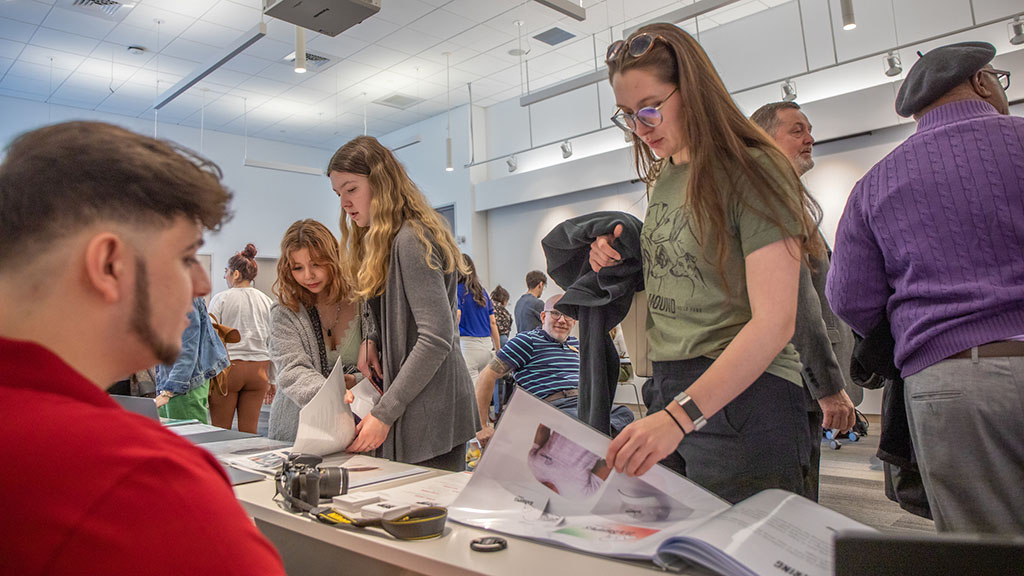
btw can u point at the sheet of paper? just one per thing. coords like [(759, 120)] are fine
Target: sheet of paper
[(366, 398), (195, 428), (364, 470), (437, 491), (326, 424)]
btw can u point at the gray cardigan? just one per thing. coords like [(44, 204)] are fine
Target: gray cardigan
[(296, 357), (825, 344), (428, 396)]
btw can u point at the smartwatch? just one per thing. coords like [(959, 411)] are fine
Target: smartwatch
[(692, 411)]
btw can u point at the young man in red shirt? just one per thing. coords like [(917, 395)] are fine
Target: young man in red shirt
[(99, 229)]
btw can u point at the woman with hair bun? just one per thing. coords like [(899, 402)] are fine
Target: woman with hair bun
[(246, 309)]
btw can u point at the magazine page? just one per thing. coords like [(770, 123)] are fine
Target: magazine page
[(543, 476), (772, 532), (366, 470)]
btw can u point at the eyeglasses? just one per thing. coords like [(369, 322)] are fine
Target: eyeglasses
[(638, 46), (1002, 76), (649, 116), (556, 316)]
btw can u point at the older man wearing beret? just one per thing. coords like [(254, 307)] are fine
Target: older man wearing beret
[(933, 237)]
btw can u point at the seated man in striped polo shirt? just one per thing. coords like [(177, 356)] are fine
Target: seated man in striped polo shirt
[(546, 362)]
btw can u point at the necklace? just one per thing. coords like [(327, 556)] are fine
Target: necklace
[(337, 316)]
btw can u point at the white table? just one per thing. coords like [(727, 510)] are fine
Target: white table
[(310, 547)]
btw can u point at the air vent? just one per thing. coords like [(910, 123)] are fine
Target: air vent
[(106, 9), (314, 60), (554, 36), (400, 101)]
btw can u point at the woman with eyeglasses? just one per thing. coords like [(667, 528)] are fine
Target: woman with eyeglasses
[(726, 227), (400, 256)]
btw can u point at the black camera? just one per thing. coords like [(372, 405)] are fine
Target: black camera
[(302, 482)]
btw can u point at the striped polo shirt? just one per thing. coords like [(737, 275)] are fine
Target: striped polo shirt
[(542, 364)]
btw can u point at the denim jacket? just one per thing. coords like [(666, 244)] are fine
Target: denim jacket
[(202, 356)]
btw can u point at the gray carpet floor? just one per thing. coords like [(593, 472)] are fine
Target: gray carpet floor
[(850, 485)]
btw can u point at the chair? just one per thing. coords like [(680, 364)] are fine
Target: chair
[(634, 332)]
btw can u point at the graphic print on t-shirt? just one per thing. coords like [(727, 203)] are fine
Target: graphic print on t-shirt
[(666, 259)]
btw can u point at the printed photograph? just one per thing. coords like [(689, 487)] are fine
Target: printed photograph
[(565, 467)]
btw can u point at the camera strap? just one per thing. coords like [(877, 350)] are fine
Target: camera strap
[(418, 524), (297, 504)]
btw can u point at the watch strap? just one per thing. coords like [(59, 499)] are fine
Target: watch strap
[(692, 410)]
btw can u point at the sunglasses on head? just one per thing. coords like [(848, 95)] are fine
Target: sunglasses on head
[(638, 46)]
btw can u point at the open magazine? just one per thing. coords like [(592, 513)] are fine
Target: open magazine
[(544, 477)]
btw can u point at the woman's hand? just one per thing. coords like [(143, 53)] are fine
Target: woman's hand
[(269, 398), (601, 252), (350, 397), (643, 444), (369, 362), (370, 433)]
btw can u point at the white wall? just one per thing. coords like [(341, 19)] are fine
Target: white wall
[(265, 202)]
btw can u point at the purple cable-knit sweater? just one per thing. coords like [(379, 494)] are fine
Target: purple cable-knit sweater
[(933, 235)]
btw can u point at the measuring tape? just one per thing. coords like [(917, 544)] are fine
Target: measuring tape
[(418, 524)]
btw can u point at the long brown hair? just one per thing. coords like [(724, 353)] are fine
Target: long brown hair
[(472, 282), (394, 200), (323, 249), (718, 135)]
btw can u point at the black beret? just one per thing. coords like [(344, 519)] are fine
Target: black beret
[(939, 71)]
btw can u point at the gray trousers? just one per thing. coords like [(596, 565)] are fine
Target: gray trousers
[(967, 423)]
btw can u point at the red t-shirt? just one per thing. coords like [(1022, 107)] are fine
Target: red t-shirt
[(87, 487)]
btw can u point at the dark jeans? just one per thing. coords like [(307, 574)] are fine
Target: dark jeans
[(620, 416), (758, 441)]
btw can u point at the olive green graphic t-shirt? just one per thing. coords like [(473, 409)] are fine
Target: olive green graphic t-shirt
[(690, 312)]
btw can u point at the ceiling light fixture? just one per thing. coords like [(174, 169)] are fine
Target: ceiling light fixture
[(1017, 27), (849, 22), (893, 66), (513, 163), (788, 91), (449, 166), (566, 149), (235, 48), (300, 50), (567, 7)]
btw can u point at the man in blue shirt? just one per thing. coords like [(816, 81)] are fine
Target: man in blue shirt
[(546, 362), (529, 306)]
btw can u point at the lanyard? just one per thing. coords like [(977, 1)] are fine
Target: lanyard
[(418, 524)]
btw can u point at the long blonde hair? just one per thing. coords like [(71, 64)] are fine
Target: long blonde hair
[(718, 135), (323, 249), (394, 200)]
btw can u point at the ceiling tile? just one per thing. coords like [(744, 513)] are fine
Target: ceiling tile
[(171, 24), (247, 64), (442, 23), (188, 50), (10, 48), (15, 93), (79, 23), (181, 107), (270, 49), (103, 68), (125, 35), (34, 86), (226, 77), (378, 56), (64, 41), (403, 12), (307, 96), (39, 72), (47, 57), (285, 72), (371, 30), (5, 63), (483, 38), (391, 82), (479, 11), (417, 68), (285, 31), (30, 12), (340, 45), (549, 64), (233, 15), (458, 53), (169, 65), (15, 30), (191, 8), (263, 86), (409, 41), (210, 34), (483, 65)]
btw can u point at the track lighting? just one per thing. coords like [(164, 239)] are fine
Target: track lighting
[(1017, 26), (893, 67), (448, 167), (512, 164), (788, 91), (566, 149), (849, 22)]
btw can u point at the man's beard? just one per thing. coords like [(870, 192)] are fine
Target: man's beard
[(141, 319), (804, 166)]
